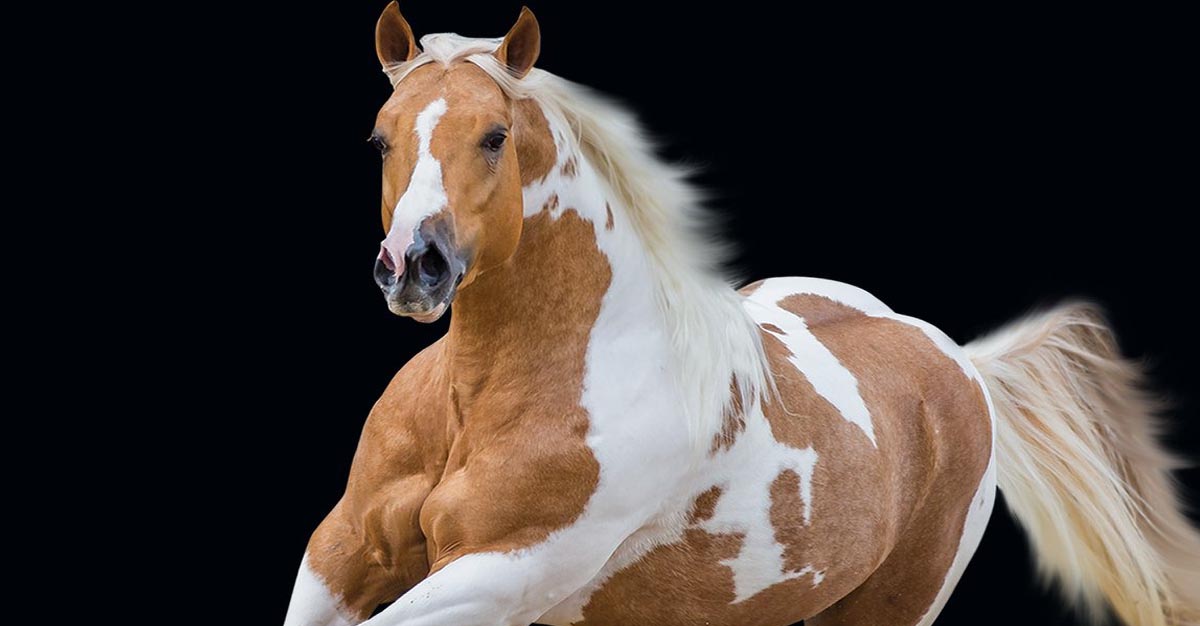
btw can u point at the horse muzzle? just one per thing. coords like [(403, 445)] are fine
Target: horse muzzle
[(421, 282)]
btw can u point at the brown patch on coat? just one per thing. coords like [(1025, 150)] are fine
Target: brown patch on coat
[(787, 511), (536, 152), (751, 288), (608, 223), (519, 337), (911, 493), (943, 437), (705, 505), (569, 168), (370, 549), (551, 203), (818, 310), (733, 419), (679, 584), (771, 327)]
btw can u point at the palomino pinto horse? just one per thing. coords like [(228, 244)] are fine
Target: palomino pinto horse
[(610, 435)]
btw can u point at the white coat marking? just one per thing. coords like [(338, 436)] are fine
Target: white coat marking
[(312, 603), (749, 468), (857, 298), (426, 193), (829, 378)]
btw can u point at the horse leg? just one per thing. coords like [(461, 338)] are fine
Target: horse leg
[(342, 577), (913, 583)]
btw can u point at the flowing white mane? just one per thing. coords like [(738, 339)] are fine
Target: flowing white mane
[(716, 341)]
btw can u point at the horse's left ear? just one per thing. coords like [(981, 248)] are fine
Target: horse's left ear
[(394, 41), (520, 48)]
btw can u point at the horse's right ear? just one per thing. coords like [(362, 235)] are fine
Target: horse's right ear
[(394, 41)]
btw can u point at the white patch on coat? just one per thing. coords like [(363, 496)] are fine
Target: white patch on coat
[(858, 298), (829, 378), (748, 469), (312, 603), (426, 192)]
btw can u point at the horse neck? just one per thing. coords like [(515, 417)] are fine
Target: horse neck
[(530, 319)]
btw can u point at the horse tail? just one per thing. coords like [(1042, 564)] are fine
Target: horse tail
[(1081, 468)]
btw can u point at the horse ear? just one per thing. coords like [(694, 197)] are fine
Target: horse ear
[(520, 48), (394, 41)]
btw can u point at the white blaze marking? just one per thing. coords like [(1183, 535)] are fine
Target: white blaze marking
[(312, 603), (426, 193), (829, 378)]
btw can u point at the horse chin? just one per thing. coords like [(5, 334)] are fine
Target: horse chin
[(432, 316), (425, 316)]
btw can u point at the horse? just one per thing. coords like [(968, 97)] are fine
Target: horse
[(610, 433)]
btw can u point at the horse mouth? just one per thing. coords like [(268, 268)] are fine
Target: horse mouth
[(425, 308)]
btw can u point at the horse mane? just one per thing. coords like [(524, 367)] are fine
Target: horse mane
[(717, 343)]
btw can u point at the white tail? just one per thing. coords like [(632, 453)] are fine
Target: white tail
[(1082, 471)]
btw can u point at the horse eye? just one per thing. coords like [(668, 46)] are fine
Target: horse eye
[(494, 141), (379, 143)]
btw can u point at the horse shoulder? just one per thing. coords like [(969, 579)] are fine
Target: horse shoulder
[(370, 548), (517, 472)]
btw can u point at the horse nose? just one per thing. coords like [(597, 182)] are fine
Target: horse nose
[(385, 270)]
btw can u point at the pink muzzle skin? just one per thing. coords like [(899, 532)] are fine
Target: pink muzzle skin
[(392, 250)]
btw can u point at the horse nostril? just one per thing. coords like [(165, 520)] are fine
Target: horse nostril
[(386, 257), (432, 267), (384, 276)]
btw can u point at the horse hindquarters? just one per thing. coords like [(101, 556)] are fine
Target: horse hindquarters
[(928, 419), (913, 583)]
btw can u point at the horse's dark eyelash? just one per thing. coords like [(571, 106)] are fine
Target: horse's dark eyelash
[(379, 143)]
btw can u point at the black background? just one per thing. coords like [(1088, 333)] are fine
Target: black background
[(962, 166)]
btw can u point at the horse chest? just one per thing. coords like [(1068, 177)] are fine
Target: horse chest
[(515, 473)]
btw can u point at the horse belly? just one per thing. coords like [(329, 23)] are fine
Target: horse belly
[(694, 579), (774, 533)]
